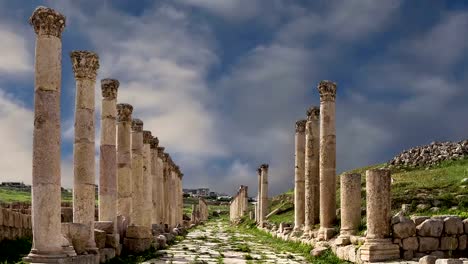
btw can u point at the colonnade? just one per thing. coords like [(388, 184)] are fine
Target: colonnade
[(239, 204)]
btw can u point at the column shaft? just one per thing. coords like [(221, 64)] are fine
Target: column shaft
[(147, 190), (350, 188), (137, 174), (258, 206), (264, 194), (124, 161), (46, 184), (299, 187), (312, 177)]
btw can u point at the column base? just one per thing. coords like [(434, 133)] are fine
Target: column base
[(326, 233), (343, 240), (61, 259), (375, 250)]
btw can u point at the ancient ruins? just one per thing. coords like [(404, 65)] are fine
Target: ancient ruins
[(140, 189)]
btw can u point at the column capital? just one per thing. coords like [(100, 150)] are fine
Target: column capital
[(264, 166), (85, 64), (313, 113), (109, 88), (327, 90), (124, 112), (154, 143), (147, 137), (259, 171), (47, 21), (137, 125), (300, 126)]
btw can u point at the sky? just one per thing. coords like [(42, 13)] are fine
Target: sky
[(221, 83)]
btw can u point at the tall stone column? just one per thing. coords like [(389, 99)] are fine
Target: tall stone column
[(378, 245), (312, 177), (155, 201), (147, 190), (108, 153), (264, 194), (257, 206), (327, 90), (173, 207), (47, 245), (137, 173), (350, 191), (181, 198), (299, 188), (166, 188), (124, 161), (161, 189), (85, 65)]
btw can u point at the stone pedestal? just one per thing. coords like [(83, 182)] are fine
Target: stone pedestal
[(327, 163), (85, 65), (49, 246), (264, 194), (124, 161), (299, 188), (378, 245), (350, 206), (312, 177)]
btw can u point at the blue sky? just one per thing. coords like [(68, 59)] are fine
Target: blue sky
[(222, 82)]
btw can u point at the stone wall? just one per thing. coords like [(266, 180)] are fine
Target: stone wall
[(14, 225)]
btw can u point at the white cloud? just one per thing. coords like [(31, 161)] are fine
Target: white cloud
[(15, 58)]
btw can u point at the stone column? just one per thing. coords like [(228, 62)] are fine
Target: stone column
[(155, 201), (264, 194), (327, 90), (47, 244), (350, 191), (85, 65), (137, 173), (378, 245), (181, 199), (299, 188), (161, 189), (124, 161), (173, 204), (108, 153), (166, 188), (147, 190), (312, 177), (257, 206)]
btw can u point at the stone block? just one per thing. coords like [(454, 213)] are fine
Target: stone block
[(112, 240), (100, 238), (462, 240), (352, 253), (408, 254), (18, 220), (375, 250), (465, 224), (410, 243), (404, 229), (106, 254), (453, 225), (438, 254), (1, 216), (106, 226), (136, 245), (430, 228), (449, 261), (342, 241), (397, 241), (160, 242), (318, 251), (11, 219), (428, 244), (448, 243), (134, 231), (77, 234), (428, 259)]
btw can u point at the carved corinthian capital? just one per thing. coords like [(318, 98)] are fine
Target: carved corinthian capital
[(124, 112), (109, 88), (327, 90), (47, 21), (300, 126), (313, 113), (85, 64), (137, 125), (154, 143), (147, 137)]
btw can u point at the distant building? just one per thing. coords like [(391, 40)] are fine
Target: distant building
[(200, 192), (16, 186)]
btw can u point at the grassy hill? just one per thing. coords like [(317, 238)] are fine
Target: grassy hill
[(441, 188)]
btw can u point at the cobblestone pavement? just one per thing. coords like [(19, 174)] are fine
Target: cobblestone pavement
[(212, 243)]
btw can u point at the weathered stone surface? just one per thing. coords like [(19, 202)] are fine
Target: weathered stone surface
[(77, 234), (100, 238), (318, 251), (134, 231), (408, 254), (462, 240), (161, 241), (428, 244), (430, 228), (410, 243), (419, 219), (449, 261), (448, 243), (112, 240), (428, 259), (404, 229), (106, 226), (106, 254), (137, 245), (453, 226)]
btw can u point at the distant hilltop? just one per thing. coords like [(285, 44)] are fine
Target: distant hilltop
[(430, 155)]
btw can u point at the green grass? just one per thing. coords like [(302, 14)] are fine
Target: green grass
[(11, 196), (12, 251)]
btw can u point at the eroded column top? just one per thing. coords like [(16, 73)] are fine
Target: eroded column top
[(160, 152), (259, 171), (85, 64), (154, 143), (147, 137), (327, 90), (137, 125), (124, 112), (47, 21), (109, 88), (300, 126), (313, 113), (264, 166)]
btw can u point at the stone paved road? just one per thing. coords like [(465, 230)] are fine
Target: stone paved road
[(213, 244)]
